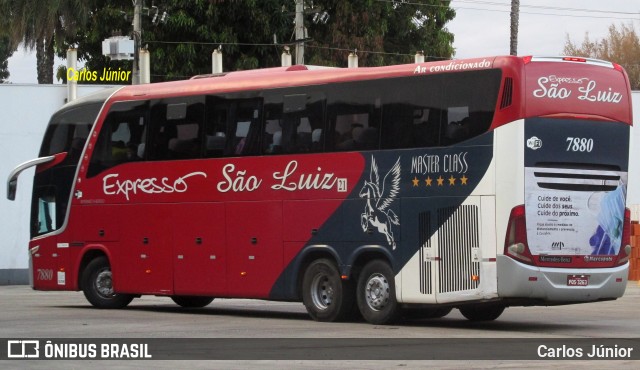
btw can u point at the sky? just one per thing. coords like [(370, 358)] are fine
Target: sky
[(482, 28)]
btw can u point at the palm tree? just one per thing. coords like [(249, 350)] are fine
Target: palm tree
[(515, 15), (6, 48), (40, 24)]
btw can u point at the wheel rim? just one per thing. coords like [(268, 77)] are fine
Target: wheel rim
[(322, 291), (104, 284), (377, 291)]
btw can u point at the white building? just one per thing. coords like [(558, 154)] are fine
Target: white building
[(26, 110)]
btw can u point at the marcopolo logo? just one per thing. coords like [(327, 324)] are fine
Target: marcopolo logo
[(534, 143), (598, 258)]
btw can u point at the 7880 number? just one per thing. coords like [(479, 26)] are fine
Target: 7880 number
[(579, 144)]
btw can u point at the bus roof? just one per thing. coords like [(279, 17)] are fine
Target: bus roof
[(99, 96), (295, 76), (525, 73)]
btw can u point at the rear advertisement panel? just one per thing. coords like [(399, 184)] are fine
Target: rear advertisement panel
[(575, 188)]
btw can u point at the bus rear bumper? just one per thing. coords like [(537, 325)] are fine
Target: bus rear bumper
[(517, 280)]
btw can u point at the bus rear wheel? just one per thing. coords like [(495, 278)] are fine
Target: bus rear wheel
[(191, 301), (97, 285), (482, 312), (376, 293), (324, 294)]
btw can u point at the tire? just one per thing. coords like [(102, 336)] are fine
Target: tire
[(325, 295), (191, 301), (482, 312), (97, 285), (427, 313), (376, 293)]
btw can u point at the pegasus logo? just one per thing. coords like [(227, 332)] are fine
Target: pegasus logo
[(380, 197)]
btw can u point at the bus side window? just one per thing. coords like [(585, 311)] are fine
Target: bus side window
[(470, 100), (294, 123), (272, 136), (245, 129), (120, 137), (215, 127), (412, 111), (177, 128), (354, 116), (232, 127), (458, 126), (354, 132)]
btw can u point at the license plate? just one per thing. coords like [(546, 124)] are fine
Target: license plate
[(578, 280)]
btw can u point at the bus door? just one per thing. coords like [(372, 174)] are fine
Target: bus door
[(51, 256), (48, 258), (199, 241)]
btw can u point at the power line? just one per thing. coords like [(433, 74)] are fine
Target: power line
[(508, 11), (372, 52), (547, 7), (310, 45), (215, 43)]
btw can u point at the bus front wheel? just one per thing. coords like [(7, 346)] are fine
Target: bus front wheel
[(482, 312), (324, 294), (97, 285), (191, 301), (376, 293)]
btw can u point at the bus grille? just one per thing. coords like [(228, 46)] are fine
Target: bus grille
[(506, 93), (424, 225), (457, 236), (576, 177)]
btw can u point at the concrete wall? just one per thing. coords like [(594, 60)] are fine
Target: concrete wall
[(26, 110)]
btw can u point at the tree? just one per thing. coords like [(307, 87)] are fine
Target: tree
[(182, 46), (384, 32), (40, 24), (621, 46), (6, 50)]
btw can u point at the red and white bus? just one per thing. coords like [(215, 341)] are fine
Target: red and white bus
[(474, 184)]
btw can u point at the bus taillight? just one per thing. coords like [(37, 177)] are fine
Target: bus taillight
[(574, 59), (625, 250), (515, 245)]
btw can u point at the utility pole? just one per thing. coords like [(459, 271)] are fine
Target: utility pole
[(137, 36), (515, 15), (300, 34)]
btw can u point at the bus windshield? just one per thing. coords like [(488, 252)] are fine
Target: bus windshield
[(69, 129), (67, 133)]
